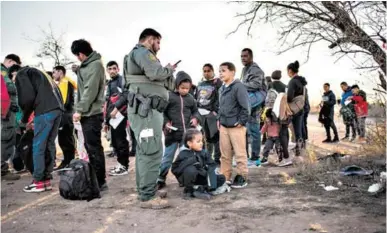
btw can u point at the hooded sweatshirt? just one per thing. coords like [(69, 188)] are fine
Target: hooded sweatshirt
[(329, 101), (207, 94), (180, 111), (115, 88), (253, 78), (91, 86), (234, 105), (296, 87), (37, 92)]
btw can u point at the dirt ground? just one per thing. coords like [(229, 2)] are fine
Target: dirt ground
[(267, 204)]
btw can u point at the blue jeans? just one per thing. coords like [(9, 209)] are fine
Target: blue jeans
[(45, 132), (167, 160), (254, 133)]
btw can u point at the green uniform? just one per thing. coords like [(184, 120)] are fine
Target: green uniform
[(8, 131), (145, 75)]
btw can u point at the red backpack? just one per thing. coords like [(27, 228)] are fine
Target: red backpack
[(5, 99)]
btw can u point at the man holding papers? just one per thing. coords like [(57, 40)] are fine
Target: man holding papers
[(116, 119)]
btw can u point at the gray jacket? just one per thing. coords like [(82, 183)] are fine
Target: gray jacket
[(254, 78), (143, 71)]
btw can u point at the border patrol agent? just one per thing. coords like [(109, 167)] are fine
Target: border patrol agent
[(147, 88)]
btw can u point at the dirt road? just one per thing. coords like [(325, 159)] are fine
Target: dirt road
[(266, 205)]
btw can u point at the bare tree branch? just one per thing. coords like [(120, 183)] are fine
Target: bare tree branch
[(51, 48), (352, 29)]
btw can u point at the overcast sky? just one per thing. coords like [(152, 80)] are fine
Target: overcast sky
[(194, 32)]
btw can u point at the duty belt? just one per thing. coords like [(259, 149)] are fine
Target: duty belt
[(142, 104)]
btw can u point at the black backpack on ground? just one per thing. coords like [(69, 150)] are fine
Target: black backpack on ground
[(78, 181)]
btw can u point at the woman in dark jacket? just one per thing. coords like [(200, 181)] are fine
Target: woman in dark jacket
[(296, 87)]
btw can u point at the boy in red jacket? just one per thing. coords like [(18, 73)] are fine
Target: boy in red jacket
[(361, 108)]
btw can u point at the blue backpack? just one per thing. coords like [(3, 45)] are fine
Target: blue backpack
[(257, 98)]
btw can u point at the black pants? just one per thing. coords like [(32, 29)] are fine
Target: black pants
[(270, 142), (67, 141), (192, 177), (284, 140), (92, 127), (328, 124), (305, 126), (120, 144), (298, 125), (134, 143), (264, 138), (213, 147)]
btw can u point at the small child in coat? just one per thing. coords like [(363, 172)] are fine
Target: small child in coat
[(195, 167)]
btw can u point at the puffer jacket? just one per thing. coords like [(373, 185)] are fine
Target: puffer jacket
[(179, 112)]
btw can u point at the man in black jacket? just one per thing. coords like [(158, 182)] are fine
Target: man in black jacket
[(116, 102), (38, 93), (207, 97), (328, 112), (66, 128)]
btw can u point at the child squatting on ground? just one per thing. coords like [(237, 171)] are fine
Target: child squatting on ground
[(195, 169)]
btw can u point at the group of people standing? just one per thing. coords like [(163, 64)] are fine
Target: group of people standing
[(354, 111), (210, 124)]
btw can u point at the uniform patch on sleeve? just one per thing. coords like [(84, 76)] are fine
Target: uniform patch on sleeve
[(152, 57)]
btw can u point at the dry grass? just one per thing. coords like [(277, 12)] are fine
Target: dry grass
[(376, 136)]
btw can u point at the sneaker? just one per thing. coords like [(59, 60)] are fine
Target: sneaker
[(111, 154), (344, 139), (119, 171), (327, 141), (352, 139), (20, 171), (35, 187), (115, 167), (336, 140), (285, 162), (264, 161), (155, 203), (202, 195), (9, 176), (47, 185), (291, 145), (239, 182), (228, 182), (161, 185), (251, 163)]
